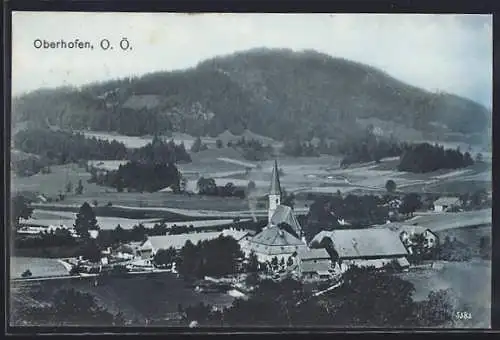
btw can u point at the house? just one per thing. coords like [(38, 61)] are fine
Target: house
[(127, 251), (446, 204), (41, 199), (375, 247), (407, 233), (93, 233), (36, 226), (314, 264), (154, 243)]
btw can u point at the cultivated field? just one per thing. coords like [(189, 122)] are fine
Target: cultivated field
[(55, 182), (447, 220), (226, 165), (39, 267)]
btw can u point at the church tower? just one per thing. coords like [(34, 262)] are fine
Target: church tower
[(274, 192)]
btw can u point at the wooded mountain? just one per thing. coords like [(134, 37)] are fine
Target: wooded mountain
[(273, 92)]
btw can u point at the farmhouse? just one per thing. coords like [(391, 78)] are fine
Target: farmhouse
[(409, 235), (375, 247), (446, 203), (283, 236), (35, 227), (155, 243), (314, 264)]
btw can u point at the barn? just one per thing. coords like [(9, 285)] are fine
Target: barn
[(375, 247), (155, 243)]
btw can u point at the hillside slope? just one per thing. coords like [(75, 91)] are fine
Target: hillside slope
[(272, 92)]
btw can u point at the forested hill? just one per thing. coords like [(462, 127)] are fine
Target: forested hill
[(276, 93)]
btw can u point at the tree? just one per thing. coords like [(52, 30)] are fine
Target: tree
[(478, 197), (253, 262), (91, 252), (71, 308), (390, 186), (196, 147), (206, 186), (119, 186), (411, 202), (386, 300), (85, 221), (79, 188), (183, 184), (218, 144), (485, 248), (289, 262), (288, 199), (436, 310), (69, 187), (229, 189), (20, 208), (164, 257), (26, 273), (251, 187), (479, 157), (274, 263)]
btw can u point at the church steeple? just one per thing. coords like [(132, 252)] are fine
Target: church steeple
[(275, 181), (274, 191)]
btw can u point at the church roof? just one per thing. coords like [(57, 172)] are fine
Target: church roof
[(275, 181), (276, 237), (284, 214)]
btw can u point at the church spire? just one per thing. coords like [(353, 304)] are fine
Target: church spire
[(275, 181), (274, 192)]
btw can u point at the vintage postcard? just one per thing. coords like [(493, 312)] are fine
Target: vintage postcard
[(251, 170)]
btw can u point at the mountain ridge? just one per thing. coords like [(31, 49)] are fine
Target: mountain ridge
[(277, 93)]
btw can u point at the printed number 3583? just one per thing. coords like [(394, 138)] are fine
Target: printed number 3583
[(463, 315)]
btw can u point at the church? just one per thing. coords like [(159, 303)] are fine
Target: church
[(283, 237)]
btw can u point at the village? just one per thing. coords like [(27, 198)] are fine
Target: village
[(278, 251)]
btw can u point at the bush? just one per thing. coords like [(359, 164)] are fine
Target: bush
[(27, 273)]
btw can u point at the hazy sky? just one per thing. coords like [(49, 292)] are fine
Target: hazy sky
[(451, 53)]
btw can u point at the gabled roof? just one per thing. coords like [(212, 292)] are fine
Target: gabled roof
[(447, 201), (275, 181), (311, 267), (284, 214), (178, 241), (400, 227), (359, 243), (313, 254), (274, 236)]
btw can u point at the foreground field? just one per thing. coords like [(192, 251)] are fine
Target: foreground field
[(160, 295), (470, 284)]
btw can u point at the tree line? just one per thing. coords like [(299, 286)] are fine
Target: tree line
[(384, 301), (64, 147), (424, 157), (61, 147), (140, 177), (208, 187), (68, 307), (216, 257)]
